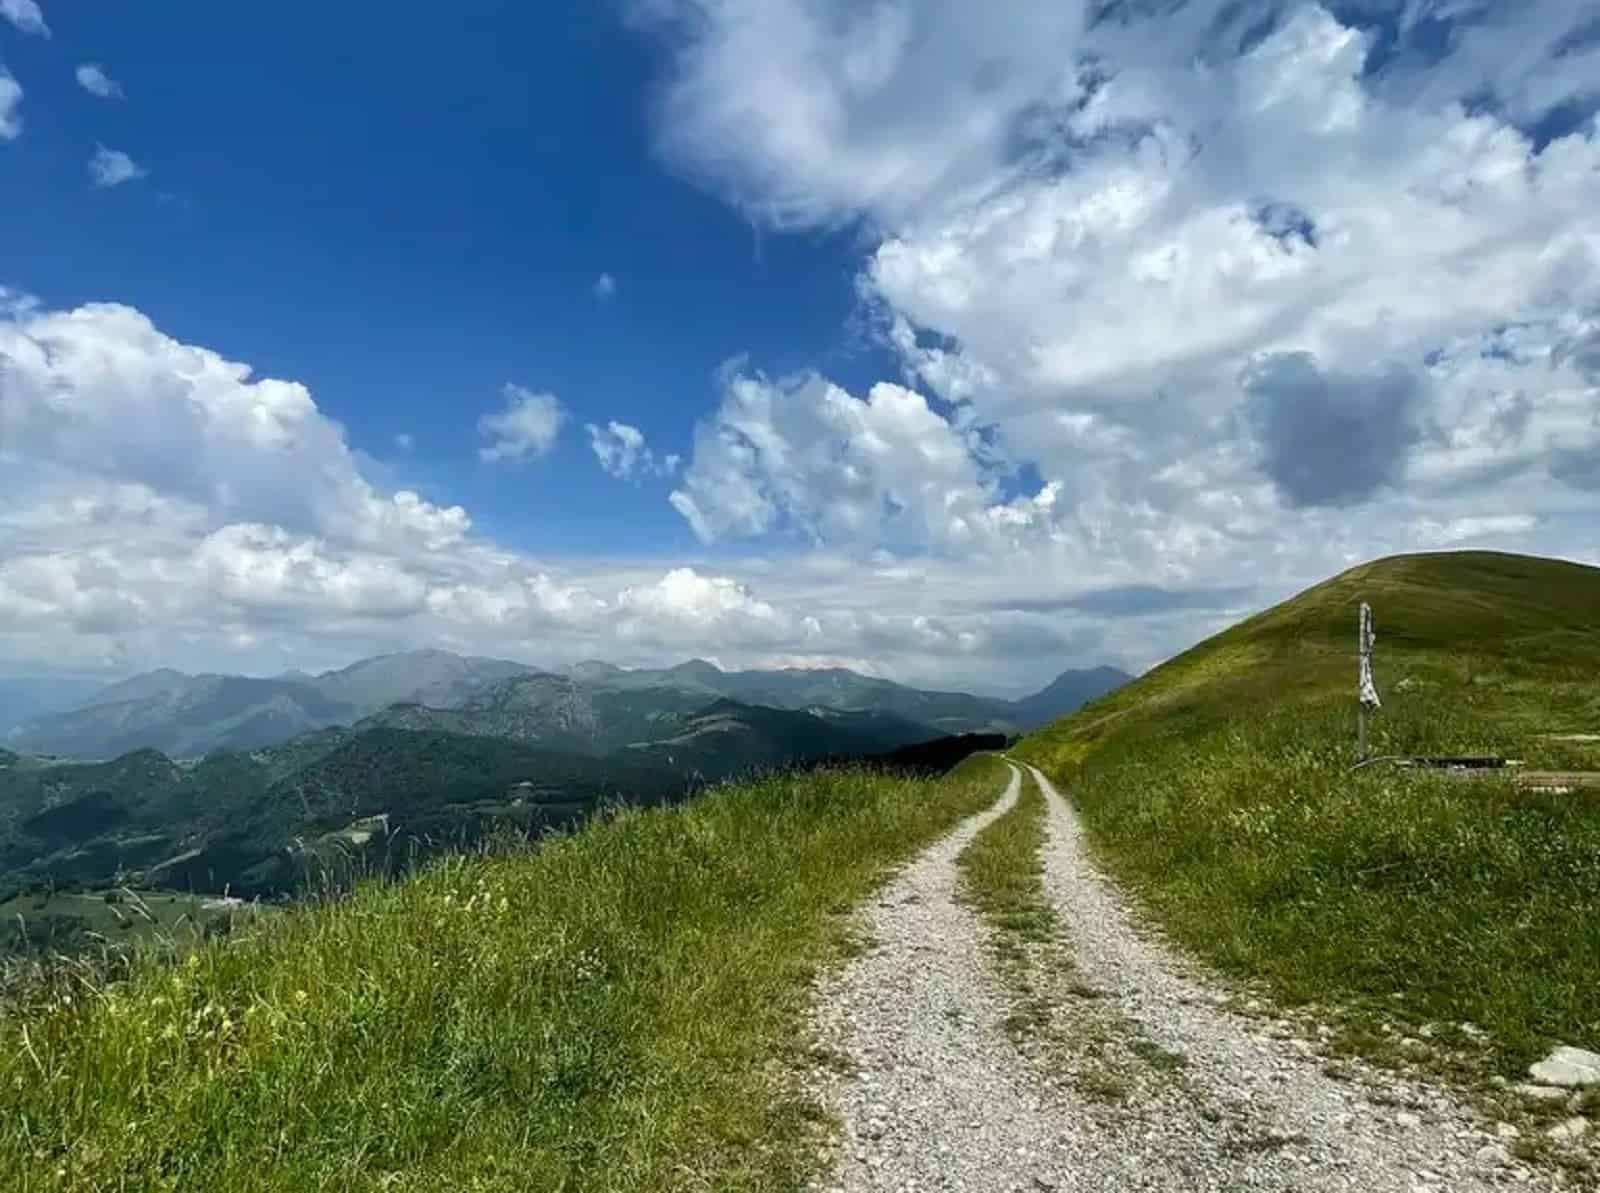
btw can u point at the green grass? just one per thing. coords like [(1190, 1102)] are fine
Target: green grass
[(1000, 876), (1000, 870), (620, 1009), (1218, 788), (1054, 1017)]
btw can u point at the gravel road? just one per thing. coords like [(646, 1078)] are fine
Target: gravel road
[(1142, 1080)]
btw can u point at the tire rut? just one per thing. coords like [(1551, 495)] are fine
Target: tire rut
[(936, 1096)]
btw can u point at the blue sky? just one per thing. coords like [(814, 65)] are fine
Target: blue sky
[(955, 345), (406, 214)]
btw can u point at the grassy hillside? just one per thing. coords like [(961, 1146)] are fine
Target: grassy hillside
[(1218, 786), (608, 1012)]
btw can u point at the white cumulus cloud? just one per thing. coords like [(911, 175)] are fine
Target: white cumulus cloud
[(160, 504), (112, 167), (93, 79), (807, 456), (1254, 289), (703, 606), (101, 398), (526, 428)]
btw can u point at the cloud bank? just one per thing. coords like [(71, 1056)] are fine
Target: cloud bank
[(161, 504), (1182, 294)]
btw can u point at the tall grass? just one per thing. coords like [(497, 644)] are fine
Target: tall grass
[(614, 1011)]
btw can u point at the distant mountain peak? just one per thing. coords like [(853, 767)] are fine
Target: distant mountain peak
[(696, 668), (427, 654), (163, 681), (1068, 692), (592, 669), (191, 715), (1076, 675)]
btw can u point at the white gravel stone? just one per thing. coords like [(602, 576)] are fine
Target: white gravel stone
[(1570, 1131), (1541, 1093), (1569, 1067)]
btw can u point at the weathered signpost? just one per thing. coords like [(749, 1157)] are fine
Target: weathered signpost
[(1366, 691)]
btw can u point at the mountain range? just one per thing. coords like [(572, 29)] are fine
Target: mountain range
[(533, 753), (591, 707)]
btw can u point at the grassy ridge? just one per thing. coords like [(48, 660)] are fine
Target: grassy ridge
[(1218, 787), (605, 1013)]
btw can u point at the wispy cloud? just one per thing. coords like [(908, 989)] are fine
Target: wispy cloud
[(112, 167), (604, 288), (25, 15), (93, 79), (622, 452), (10, 101), (527, 427)]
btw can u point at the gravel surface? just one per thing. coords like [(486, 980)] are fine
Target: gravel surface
[(1142, 1081), (939, 1099)]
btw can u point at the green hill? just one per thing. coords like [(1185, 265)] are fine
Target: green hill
[(1219, 786), (605, 1011)]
